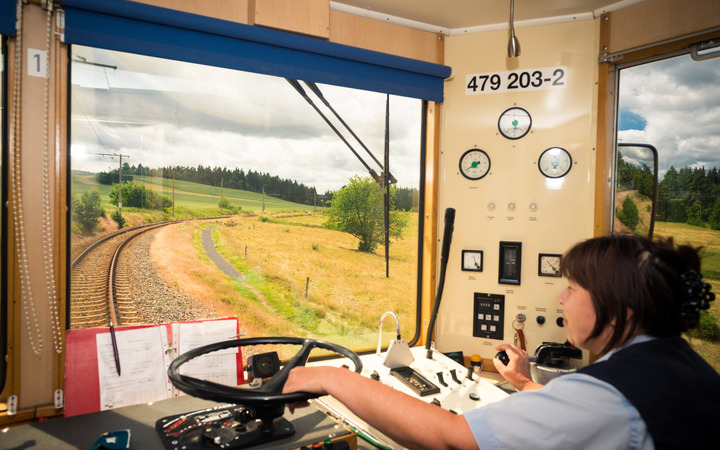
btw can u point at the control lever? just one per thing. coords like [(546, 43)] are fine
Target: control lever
[(503, 357), (441, 379), (453, 374)]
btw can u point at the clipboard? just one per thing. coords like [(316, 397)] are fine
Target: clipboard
[(89, 382)]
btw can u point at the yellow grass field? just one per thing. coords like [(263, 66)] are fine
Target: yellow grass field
[(347, 290)]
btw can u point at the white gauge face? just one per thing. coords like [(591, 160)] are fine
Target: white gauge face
[(555, 162), (472, 260), (514, 123), (549, 265), (474, 164)]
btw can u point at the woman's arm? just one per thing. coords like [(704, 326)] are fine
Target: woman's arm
[(517, 372), (408, 421)]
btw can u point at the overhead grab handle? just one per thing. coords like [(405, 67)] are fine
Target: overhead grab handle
[(712, 45)]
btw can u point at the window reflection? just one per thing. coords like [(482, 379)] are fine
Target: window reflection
[(248, 169)]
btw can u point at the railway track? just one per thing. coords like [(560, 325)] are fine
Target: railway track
[(100, 282)]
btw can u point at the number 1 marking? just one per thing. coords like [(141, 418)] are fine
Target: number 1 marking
[(37, 63)]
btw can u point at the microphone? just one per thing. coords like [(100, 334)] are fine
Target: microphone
[(447, 234)]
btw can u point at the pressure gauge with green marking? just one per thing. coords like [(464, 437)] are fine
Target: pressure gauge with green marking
[(474, 164), (555, 162), (514, 123)]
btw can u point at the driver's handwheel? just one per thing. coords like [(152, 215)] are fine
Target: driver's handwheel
[(269, 395)]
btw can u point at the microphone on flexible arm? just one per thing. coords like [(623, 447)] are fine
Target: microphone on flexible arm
[(444, 254)]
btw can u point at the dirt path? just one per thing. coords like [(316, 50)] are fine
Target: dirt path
[(217, 259)]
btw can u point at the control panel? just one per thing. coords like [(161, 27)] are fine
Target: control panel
[(441, 381), (517, 163), (489, 313)]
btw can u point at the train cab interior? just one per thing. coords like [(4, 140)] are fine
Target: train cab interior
[(199, 195)]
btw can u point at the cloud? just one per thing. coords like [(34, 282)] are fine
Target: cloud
[(159, 113), (677, 103)]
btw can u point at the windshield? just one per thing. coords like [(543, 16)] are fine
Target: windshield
[(266, 213)]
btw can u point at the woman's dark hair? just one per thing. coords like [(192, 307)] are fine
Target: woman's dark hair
[(657, 281)]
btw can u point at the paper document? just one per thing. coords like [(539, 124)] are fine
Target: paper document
[(143, 360), (220, 366)]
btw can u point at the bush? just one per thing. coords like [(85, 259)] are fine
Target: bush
[(708, 328), (138, 196), (87, 210), (227, 207), (117, 217), (629, 215)]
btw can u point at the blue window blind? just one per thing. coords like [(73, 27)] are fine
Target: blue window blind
[(148, 30), (7, 17)]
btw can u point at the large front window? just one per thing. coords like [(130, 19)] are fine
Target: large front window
[(267, 213)]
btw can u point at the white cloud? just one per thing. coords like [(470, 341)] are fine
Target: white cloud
[(680, 101), (160, 113)]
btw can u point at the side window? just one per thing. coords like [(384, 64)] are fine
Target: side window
[(255, 203), (673, 104)]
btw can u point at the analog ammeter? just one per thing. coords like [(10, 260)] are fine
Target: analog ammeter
[(549, 264), (472, 260)]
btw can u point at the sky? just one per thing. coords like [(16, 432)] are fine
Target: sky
[(159, 113), (674, 105)]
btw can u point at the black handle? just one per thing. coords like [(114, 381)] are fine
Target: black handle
[(447, 233)]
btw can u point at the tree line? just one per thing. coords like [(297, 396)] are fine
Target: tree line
[(272, 185), (689, 195)]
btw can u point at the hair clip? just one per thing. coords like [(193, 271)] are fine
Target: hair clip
[(697, 295)]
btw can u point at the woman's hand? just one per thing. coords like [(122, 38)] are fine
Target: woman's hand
[(305, 379), (517, 372)]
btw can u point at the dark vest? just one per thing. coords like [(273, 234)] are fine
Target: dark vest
[(675, 391)]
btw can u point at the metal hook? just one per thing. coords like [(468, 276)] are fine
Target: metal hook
[(397, 324)]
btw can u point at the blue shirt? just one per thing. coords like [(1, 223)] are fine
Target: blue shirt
[(574, 411)]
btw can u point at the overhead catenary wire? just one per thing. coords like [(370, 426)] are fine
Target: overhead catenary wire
[(301, 91), (314, 87)]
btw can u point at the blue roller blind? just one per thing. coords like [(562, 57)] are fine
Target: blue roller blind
[(7, 17), (137, 28)]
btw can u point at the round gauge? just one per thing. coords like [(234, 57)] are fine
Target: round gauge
[(514, 123), (474, 164), (555, 162)]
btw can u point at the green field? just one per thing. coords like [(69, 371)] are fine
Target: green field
[(194, 196), (709, 240)]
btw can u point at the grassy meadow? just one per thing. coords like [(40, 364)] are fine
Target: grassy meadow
[(347, 290)]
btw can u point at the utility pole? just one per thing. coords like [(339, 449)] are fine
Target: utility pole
[(173, 189), (118, 155)]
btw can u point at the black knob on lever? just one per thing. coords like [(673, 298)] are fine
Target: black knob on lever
[(503, 357)]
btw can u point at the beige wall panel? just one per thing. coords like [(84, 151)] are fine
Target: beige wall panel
[(656, 21), (232, 10), (383, 37), (514, 201), (311, 17), (36, 365)]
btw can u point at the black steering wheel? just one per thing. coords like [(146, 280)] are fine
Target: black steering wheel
[(267, 399)]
